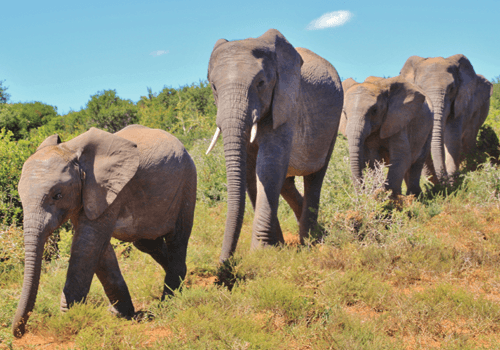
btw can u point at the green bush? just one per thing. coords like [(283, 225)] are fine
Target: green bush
[(20, 118), (13, 154)]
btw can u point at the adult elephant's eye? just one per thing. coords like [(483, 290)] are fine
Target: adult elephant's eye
[(260, 84), (57, 196)]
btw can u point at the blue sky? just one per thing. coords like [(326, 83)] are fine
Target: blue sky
[(62, 52)]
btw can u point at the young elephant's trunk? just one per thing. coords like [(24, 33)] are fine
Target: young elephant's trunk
[(34, 240), (357, 134)]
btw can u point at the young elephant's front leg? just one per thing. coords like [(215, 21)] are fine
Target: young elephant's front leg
[(89, 244), (114, 285), (400, 161)]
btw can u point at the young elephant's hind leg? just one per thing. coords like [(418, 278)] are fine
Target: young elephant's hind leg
[(113, 283)]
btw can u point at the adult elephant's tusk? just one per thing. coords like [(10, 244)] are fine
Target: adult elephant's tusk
[(253, 133), (214, 140)]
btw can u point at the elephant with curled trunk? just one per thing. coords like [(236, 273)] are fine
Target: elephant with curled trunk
[(278, 109), (137, 185), (390, 120), (460, 98)]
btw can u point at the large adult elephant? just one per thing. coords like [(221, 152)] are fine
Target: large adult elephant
[(390, 120), (137, 185), (460, 99), (278, 109)]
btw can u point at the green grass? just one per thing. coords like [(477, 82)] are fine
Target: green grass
[(410, 273)]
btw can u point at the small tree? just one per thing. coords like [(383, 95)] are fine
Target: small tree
[(4, 96), (107, 111), (20, 118)]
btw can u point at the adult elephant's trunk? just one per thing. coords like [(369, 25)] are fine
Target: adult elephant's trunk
[(232, 116), (357, 134), (34, 240), (437, 97)]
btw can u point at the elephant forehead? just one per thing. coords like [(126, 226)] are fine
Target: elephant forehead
[(239, 58), (40, 173), (434, 60), (367, 93)]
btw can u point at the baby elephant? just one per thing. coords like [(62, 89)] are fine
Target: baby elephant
[(137, 185), (390, 120)]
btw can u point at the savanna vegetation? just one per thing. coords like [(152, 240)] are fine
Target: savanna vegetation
[(406, 273)]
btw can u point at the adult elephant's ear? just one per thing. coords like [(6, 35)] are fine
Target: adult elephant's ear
[(472, 91), (405, 103), (210, 62), (409, 68), (109, 162), (286, 90), (52, 140)]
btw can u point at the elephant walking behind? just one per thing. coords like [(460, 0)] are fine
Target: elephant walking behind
[(461, 100), (278, 109), (390, 120), (137, 185)]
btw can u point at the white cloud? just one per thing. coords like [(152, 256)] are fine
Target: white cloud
[(330, 19), (159, 53)]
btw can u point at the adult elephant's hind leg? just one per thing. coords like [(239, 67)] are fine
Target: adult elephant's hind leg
[(312, 192), (292, 196), (113, 283)]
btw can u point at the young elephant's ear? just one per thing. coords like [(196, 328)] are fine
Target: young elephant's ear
[(404, 103), (288, 69), (348, 83), (109, 163), (52, 140)]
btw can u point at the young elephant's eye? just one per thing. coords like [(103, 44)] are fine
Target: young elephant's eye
[(57, 196), (260, 84)]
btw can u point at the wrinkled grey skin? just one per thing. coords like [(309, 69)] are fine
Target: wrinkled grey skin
[(460, 98), (295, 97), (390, 120), (346, 84), (137, 185)]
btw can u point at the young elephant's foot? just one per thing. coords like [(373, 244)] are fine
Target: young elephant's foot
[(122, 310)]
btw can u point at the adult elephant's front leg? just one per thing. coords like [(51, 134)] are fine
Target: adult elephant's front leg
[(114, 285), (453, 144), (272, 166)]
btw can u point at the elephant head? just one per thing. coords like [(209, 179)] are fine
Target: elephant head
[(346, 84), (456, 92), (62, 181), (254, 81), (379, 109)]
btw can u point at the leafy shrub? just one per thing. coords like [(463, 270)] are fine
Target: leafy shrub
[(20, 118), (13, 154), (11, 249), (109, 112), (211, 168)]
